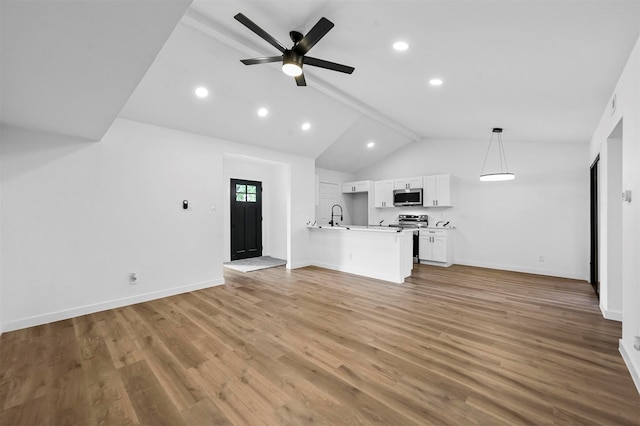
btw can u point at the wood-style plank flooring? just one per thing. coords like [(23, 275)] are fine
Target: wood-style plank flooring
[(457, 345)]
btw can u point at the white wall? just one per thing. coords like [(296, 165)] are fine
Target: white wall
[(78, 218), (627, 94), (1, 329), (505, 225), (274, 202)]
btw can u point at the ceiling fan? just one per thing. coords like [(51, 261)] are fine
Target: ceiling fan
[(293, 59)]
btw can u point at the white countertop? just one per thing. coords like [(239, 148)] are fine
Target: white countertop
[(384, 229), (445, 228)]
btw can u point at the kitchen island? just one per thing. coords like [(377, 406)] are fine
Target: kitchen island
[(376, 252)]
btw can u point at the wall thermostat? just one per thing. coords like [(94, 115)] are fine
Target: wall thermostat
[(626, 196)]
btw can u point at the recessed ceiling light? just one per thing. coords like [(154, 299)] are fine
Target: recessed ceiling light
[(401, 45), (262, 112), (371, 144), (306, 126), (202, 92), (435, 82)]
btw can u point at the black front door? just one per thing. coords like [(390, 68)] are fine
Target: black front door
[(246, 219), (594, 272)]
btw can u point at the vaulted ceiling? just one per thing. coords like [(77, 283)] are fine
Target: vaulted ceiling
[(543, 70)]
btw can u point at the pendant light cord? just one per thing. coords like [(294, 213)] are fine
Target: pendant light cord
[(503, 156), (504, 167), (487, 154)]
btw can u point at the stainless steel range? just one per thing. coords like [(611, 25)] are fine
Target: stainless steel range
[(413, 221)]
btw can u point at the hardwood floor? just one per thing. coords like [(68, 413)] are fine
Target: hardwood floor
[(459, 345)]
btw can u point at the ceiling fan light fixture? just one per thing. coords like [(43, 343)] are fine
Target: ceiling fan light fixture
[(291, 63), (503, 174)]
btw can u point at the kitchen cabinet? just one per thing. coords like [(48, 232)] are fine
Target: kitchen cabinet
[(409, 183), (437, 191), (383, 193), (360, 186), (435, 247)]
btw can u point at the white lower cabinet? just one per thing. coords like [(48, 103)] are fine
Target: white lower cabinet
[(436, 247)]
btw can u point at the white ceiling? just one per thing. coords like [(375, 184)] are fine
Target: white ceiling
[(543, 70), (68, 67)]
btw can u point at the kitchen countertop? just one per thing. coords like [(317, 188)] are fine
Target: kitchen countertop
[(374, 228), (440, 227)]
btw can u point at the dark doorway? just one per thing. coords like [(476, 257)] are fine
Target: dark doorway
[(594, 268), (246, 219)]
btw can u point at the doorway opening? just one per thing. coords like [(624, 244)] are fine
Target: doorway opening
[(594, 273), (246, 218)]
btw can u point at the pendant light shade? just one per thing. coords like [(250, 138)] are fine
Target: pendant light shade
[(502, 171)]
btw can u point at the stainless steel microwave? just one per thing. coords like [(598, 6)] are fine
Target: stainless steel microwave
[(407, 197)]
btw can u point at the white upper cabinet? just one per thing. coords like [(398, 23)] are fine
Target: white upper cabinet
[(360, 186), (437, 191), (383, 194), (409, 183)]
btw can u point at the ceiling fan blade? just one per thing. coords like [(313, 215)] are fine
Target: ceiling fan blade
[(300, 81), (264, 60), (256, 29), (328, 65), (319, 30)]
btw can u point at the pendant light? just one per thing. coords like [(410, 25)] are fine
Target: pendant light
[(503, 173)]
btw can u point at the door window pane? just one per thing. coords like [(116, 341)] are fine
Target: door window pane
[(246, 193)]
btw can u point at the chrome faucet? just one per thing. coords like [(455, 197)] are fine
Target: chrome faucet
[(333, 222)]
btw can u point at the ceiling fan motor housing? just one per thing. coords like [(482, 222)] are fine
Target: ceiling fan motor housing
[(295, 36)]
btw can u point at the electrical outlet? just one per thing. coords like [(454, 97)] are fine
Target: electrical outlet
[(636, 343), (133, 278), (541, 259)]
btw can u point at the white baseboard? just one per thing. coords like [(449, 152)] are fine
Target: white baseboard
[(298, 265), (611, 315), (526, 270), (635, 373), (103, 306)]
